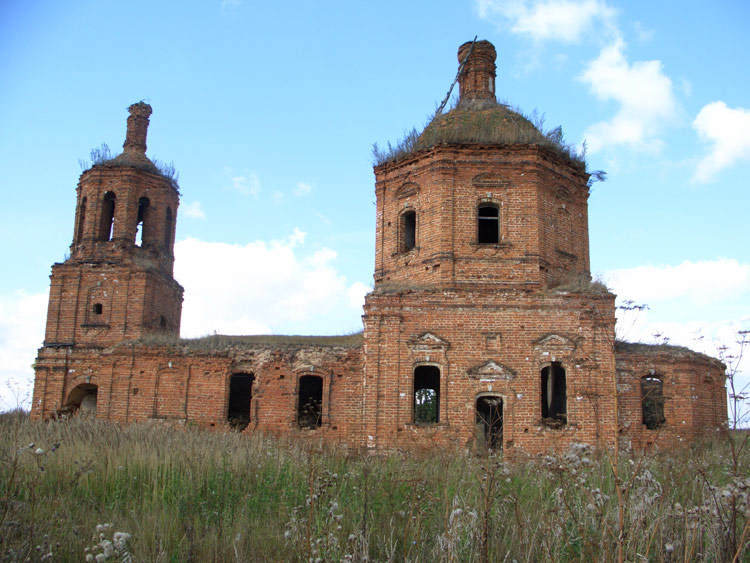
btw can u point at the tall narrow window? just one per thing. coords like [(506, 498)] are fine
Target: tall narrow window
[(488, 224), (107, 223), (310, 401), (652, 402), (141, 221), (554, 398), (168, 231), (426, 394), (240, 397), (81, 220), (408, 228)]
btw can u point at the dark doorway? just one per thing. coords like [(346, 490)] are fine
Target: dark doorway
[(310, 405), (240, 397), (489, 421)]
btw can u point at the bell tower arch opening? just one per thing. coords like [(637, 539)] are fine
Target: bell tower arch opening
[(107, 221)]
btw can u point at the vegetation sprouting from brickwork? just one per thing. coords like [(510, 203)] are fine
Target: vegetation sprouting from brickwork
[(668, 349), (145, 492), (486, 123), (581, 283), (224, 342), (102, 156)]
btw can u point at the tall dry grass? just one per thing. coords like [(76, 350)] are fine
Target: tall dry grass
[(192, 495)]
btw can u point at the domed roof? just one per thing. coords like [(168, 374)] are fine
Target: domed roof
[(485, 122)]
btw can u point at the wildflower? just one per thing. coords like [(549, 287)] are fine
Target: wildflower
[(669, 547), (39, 451)]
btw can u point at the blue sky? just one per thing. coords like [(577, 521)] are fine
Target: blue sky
[(269, 112)]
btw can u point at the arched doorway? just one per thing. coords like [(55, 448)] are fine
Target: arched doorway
[(489, 421), (82, 399)]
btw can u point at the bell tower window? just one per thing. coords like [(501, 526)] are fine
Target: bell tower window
[(141, 222), (168, 231), (81, 220), (107, 223)]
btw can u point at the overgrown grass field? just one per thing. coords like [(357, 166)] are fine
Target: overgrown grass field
[(88, 490)]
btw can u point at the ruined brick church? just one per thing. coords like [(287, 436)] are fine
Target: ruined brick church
[(483, 328)]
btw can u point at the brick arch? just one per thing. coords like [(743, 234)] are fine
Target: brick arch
[(82, 397)]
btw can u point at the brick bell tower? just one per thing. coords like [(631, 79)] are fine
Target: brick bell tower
[(117, 284)]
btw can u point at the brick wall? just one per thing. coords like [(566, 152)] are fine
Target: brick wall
[(543, 217)]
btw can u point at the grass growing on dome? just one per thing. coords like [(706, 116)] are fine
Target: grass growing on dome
[(485, 123)]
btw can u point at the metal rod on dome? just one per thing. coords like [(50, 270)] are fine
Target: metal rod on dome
[(460, 69)]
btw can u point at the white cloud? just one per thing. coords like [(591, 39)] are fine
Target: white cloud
[(325, 220), (22, 319), (643, 91), (356, 294), (549, 20), (728, 131), (246, 185), (263, 287), (696, 282), (642, 33), (302, 189), (194, 210)]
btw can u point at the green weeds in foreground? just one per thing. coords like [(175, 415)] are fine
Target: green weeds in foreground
[(91, 490)]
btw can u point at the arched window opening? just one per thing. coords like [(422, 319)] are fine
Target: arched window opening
[(310, 402), (240, 398), (141, 221), (426, 394), (168, 231), (107, 223), (82, 400), (163, 322), (489, 422), (488, 224), (97, 309), (652, 402), (408, 231), (81, 220), (554, 398)]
